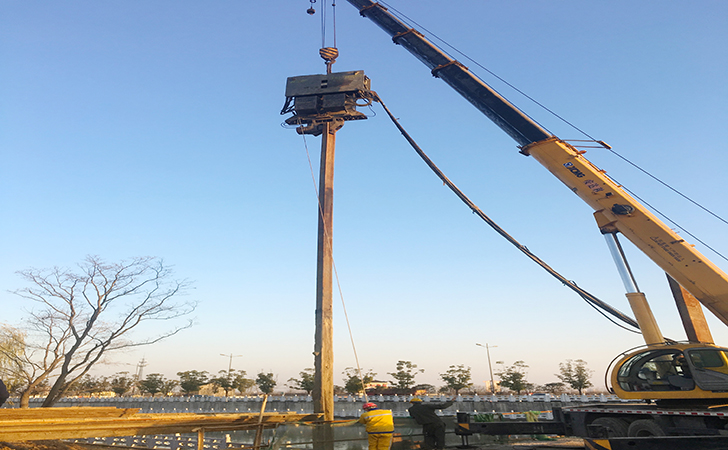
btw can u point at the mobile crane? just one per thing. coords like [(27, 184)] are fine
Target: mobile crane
[(683, 386)]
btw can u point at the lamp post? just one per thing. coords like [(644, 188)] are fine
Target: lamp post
[(490, 367), (230, 366)]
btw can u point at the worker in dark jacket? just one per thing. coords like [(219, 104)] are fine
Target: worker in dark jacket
[(432, 426), (4, 394)]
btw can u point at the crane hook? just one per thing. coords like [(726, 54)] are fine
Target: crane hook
[(311, 11), (329, 55)]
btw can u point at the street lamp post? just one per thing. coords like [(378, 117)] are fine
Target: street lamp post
[(230, 366), (490, 366)]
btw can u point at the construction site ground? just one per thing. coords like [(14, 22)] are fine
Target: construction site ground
[(520, 444), (45, 429), (527, 444)]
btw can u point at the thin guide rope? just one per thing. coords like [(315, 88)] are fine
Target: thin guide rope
[(336, 272)]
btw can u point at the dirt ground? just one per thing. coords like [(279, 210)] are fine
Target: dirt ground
[(42, 445), (525, 444)]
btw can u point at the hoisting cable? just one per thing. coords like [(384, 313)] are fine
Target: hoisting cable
[(662, 214), (671, 188), (594, 302), (408, 20), (333, 20), (323, 24), (335, 271)]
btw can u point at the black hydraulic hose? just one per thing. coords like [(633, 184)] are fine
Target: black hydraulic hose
[(589, 298)]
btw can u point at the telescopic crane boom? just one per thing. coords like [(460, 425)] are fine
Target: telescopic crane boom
[(615, 211)]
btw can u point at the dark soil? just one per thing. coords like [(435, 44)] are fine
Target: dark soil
[(43, 445)]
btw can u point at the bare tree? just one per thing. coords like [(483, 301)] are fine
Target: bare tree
[(20, 358), (12, 346), (83, 316)]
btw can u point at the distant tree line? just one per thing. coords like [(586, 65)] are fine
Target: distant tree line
[(79, 317), (190, 382), (573, 374)]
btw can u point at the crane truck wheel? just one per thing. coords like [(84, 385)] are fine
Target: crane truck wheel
[(614, 427), (644, 428)]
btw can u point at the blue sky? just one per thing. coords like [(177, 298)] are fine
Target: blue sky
[(153, 128)]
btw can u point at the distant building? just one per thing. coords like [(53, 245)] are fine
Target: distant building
[(377, 385)]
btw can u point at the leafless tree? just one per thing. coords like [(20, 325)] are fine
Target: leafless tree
[(12, 345), (81, 316)]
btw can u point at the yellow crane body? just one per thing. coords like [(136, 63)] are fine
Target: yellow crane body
[(614, 207)]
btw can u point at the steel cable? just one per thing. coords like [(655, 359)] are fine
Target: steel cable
[(597, 304)]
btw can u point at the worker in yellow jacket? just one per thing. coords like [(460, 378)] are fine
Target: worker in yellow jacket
[(379, 425)]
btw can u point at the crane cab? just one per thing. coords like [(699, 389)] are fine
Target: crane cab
[(673, 372)]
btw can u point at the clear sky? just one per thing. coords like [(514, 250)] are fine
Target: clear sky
[(153, 129)]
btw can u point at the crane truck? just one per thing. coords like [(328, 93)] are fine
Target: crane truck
[(678, 388)]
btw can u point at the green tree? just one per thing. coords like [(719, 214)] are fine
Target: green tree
[(121, 383), (554, 388), (88, 385), (191, 381), (242, 384), (153, 383), (168, 386), (457, 378), (575, 374), (405, 376), (353, 384), (224, 381), (266, 382), (229, 380), (514, 377), (305, 383)]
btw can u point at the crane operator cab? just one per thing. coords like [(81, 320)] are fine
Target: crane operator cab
[(680, 371)]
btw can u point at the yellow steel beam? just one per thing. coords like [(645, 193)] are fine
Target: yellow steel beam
[(616, 208), (84, 422), (69, 412)]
